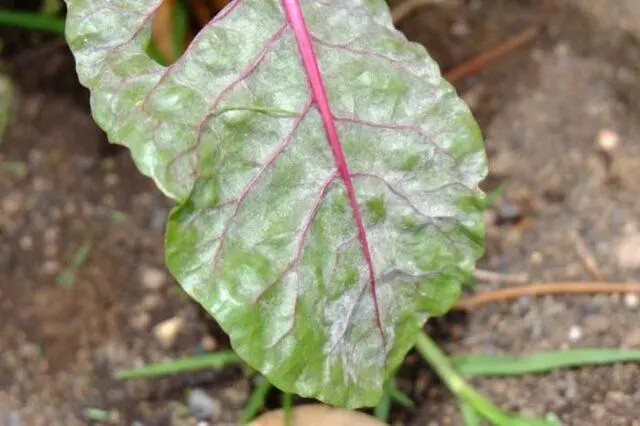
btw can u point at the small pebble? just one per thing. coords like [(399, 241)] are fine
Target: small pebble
[(35, 157), (151, 301), (111, 180), (167, 331), (70, 208), (202, 406), (152, 278), (208, 343), (40, 184), (502, 164), (158, 219), (460, 28), (50, 235), (537, 257), (140, 321), (628, 252), (13, 203), (575, 333), (509, 211), (608, 140), (26, 242), (631, 300), (50, 267)]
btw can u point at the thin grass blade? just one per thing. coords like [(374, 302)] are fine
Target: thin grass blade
[(213, 360), (470, 417), (256, 401), (475, 365)]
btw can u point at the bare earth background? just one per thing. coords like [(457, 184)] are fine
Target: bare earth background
[(65, 329)]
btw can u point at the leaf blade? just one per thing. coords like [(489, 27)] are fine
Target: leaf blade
[(264, 235)]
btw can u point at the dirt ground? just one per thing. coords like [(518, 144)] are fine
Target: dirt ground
[(83, 286)]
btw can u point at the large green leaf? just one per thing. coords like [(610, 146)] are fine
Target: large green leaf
[(326, 176)]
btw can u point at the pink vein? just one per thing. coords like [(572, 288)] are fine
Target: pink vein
[(307, 53)]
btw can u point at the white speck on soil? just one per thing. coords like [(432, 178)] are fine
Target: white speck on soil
[(631, 300), (575, 333), (608, 140)]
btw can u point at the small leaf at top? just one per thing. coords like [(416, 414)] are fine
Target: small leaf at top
[(326, 178)]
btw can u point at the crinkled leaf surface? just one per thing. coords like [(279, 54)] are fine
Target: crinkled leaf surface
[(325, 172)]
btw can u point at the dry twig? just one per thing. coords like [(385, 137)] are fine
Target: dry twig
[(540, 289), (485, 58), (588, 261)]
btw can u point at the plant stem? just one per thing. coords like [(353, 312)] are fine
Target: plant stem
[(461, 389), (32, 21)]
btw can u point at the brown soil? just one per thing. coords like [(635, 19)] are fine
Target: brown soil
[(64, 331)]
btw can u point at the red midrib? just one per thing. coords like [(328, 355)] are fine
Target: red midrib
[(303, 39)]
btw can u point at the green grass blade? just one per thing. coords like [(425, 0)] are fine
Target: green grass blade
[(474, 365), (14, 168), (495, 195), (32, 21), (201, 362), (469, 416), (383, 409), (397, 396), (180, 24), (100, 415), (81, 255), (287, 407), (154, 53), (256, 401), (66, 277)]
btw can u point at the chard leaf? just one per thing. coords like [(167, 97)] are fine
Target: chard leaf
[(326, 177)]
